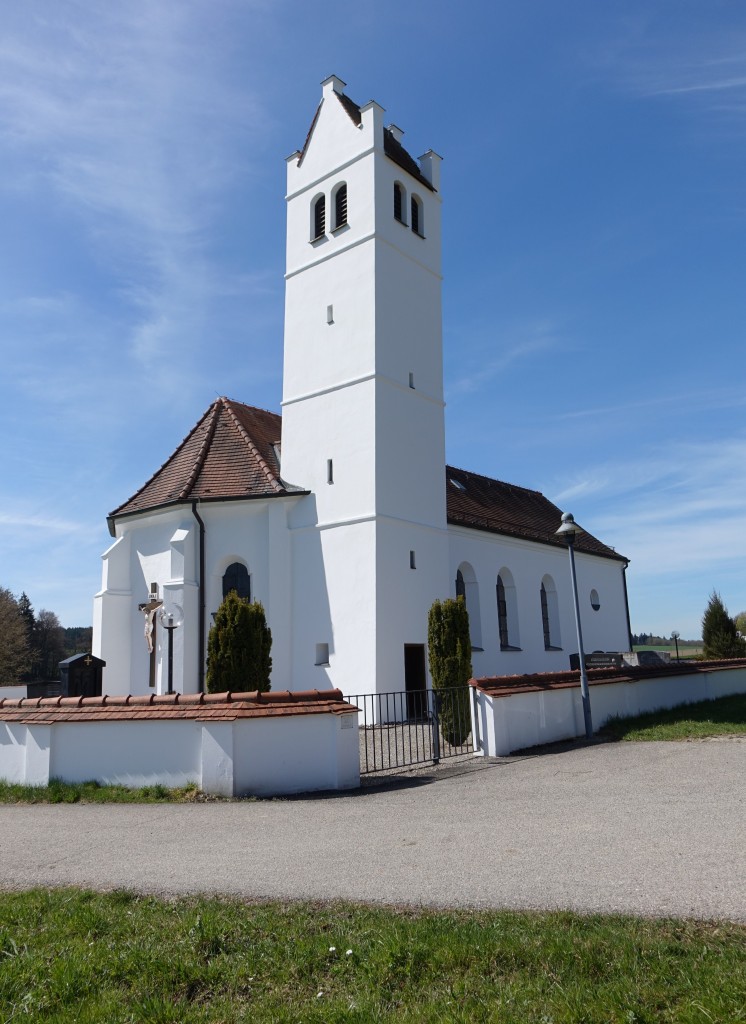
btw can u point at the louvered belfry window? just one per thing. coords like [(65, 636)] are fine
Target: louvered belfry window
[(415, 216), (397, 201), (340, 206), (319, 217)]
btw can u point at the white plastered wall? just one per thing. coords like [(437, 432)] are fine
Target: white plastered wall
[(163, 548), (605, 629)]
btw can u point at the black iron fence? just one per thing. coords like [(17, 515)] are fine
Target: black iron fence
[(416, 727)]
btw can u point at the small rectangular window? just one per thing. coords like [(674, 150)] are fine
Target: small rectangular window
[(330, 314), (411, 381), (330, 471), (412, 563), (322, 654)]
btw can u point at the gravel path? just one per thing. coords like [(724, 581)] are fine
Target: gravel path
[(642, 828)]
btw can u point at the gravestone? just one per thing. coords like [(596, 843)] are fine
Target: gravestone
[(81, 676)]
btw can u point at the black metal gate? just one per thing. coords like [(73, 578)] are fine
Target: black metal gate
[(409, 728)]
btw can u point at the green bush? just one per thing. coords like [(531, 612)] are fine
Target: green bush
[(238, 647), (719, 635), (449, 654)]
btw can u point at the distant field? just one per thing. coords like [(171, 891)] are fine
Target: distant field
[(685, 650)]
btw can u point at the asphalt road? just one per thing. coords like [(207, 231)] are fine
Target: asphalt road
[(644, 828)]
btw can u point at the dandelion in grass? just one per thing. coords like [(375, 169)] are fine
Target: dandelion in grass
[(332, 949), (319, 995), (348, 953)]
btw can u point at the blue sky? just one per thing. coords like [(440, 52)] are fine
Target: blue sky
[(594, 188)]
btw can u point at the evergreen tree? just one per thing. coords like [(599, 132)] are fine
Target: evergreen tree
[(449, 654), (50, 645), (15, 658), (719, 639), (238, 648)]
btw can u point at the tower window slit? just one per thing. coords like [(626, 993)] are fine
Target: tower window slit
[(330, 471)]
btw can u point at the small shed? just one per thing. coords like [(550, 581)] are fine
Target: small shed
[(81, 676)]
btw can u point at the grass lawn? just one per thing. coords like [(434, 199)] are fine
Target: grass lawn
[(67, 955), (58, 792), (723, 717)]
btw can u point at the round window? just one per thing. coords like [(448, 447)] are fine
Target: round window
[(595, 603)]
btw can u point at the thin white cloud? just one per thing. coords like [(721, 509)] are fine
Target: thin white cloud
[(138, 129), (53, 524), (690, 62), (671, 511), (532, 341)]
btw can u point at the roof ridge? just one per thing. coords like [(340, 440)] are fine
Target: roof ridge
[(271, 478), (202, 453), (494, 480), (163, 465)]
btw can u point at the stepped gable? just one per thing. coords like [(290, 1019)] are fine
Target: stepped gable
[(228, 454), (391, 147), (481, 503)]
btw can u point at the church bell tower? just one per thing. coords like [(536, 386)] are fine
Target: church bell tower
[(363, 410)]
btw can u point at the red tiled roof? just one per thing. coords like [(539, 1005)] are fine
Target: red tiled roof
[(228, 454), (481, 503), (391, 147), (504, 686), (200, 707)]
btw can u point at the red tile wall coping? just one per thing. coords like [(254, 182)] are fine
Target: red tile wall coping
[(505, 686), (226, 707)]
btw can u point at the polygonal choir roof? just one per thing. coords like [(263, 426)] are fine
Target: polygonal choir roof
[(228, 454), (231, 454)]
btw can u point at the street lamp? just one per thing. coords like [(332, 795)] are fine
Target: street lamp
[(675, 637), (568, 530), (171, 618)]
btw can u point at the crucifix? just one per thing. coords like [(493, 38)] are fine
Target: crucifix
[(149, 611)]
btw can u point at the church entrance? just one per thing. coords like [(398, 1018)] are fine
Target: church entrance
[(415, 680)]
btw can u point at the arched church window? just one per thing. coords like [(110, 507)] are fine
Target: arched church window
[(417, 220), (319, 217), (236, 577), (340, 206), (468, 588), (550, 614), (507, 611)]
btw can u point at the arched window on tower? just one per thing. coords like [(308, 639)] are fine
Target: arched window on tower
[(417, 220), (236, 577), (340, 206), (400, 202), (319, 218), (507, 611)]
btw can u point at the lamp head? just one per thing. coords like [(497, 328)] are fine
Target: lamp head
[(171, 616), (569, 528)]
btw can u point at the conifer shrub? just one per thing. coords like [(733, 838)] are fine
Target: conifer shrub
[(238, 647), (449, 655), (719, 634)]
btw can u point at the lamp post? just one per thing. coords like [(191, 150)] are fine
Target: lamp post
[(171, 619), (675, 637), (568, 530)]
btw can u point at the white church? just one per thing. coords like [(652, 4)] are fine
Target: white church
[(341, 515)]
